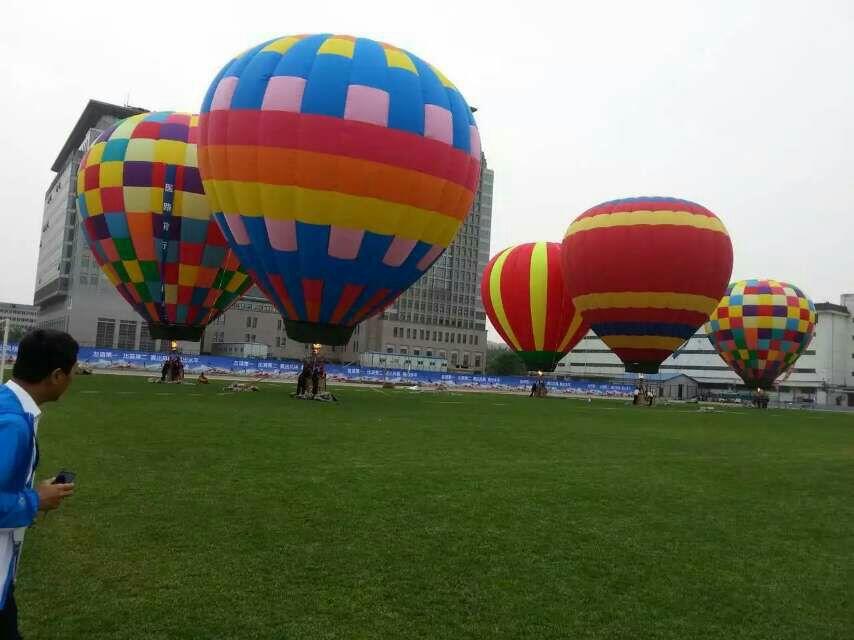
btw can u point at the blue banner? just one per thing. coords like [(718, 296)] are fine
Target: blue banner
[(275, 369)]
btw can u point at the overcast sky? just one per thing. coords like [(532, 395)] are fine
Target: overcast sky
[(745, 107)]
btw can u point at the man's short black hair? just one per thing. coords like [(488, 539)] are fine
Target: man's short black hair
[(43, 351)]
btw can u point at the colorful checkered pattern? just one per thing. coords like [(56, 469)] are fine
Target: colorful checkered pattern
[(645, 273), (525, 298), (340, 169), (149, 225), (760, 328)]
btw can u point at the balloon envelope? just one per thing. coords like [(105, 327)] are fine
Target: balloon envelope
[(760, 329), (340, 169), (525, 298), (148, 223), (645, 273)]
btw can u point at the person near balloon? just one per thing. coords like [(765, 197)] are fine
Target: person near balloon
[(318, 375), (303, 378), (172, 367)]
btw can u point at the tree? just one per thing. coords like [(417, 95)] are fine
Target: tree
[(16, 332), (503, 362)]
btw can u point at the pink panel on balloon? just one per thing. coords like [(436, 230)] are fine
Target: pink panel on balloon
[(223, 94), (366, 104), (438, 124), (430, 257), (474, 135), (398, 251), (345, 243), (282, 234), (284, 93), (237, 228)]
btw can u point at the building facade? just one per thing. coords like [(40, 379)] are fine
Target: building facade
[(825, 371), (22, 317)]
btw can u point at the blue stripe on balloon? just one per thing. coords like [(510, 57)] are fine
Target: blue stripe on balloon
[(664, 329), (431, 87), (252, 84), (460, 113), (299, 59), (238, 65), (326, 87), (369, 65), (206, 103), (406, 105)]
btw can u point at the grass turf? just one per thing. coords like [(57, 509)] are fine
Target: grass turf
[(397, 515)]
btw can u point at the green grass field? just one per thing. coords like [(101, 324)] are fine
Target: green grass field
[(399, 515)]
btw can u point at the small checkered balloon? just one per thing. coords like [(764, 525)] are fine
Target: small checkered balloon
[(760, 328), (148, 223)]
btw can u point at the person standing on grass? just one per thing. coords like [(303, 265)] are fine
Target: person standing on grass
[(42, 373)]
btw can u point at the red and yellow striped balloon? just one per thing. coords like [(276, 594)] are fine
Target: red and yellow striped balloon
[(646, 273), (525, 298)]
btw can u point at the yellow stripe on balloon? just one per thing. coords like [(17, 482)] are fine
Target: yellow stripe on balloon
[(539, 282), (573, 327), (288, 202), (643, 342), (630, 219), (495, 297), (645, 300)]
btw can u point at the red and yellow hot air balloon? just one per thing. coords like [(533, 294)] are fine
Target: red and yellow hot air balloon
[(646, 273), (525, 298)]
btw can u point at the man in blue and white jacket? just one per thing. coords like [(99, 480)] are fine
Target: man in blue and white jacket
[(42, 373)]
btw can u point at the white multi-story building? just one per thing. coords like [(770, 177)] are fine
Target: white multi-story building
[(21, 316), (825, 371)]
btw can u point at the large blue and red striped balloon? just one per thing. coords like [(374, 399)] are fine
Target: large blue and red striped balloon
[(340, 169)]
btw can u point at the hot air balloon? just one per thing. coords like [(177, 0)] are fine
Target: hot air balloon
[(148, 223), (645, 273), (525, 298), (339, 169), (760, 328)]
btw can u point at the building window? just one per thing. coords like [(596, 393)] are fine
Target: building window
[(127, 335), (454, 358), (389, 349), (246, 339), (248, 322), (476, 340), (105, 333), (416, 352), (465, 338), (477, 361), (404, 350)]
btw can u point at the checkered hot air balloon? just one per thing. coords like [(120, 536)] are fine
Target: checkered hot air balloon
[(525, 298), (339, 169), (645, 273), (148, 223), (761, 328)]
